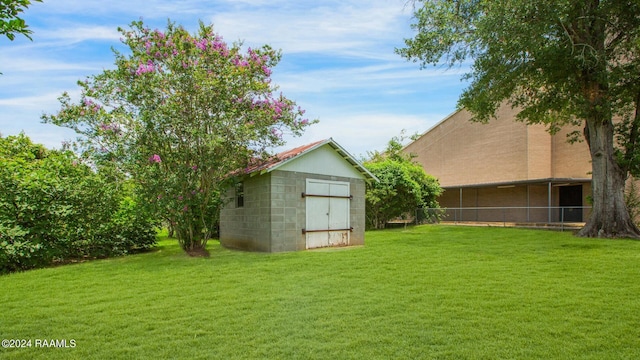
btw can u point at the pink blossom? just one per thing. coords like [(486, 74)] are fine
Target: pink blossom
[(238, 62), (145, 68), (277, 107), (254, 57), (194, 167), (276, 132), (155, 159), (220, 46), (202, 44)]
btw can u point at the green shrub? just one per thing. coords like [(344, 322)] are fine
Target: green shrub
[(133, 229), (54, 208), (403, 187), (15, 253)]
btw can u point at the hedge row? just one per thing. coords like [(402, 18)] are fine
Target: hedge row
[(53, 208)]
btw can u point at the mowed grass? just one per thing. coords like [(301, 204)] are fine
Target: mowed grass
[(425, 292)]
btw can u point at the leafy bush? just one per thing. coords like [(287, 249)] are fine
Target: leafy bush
[(132, 228), (16, 254), (54, 208), (402, 188)]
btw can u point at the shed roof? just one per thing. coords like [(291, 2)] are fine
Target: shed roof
[(278, 160)]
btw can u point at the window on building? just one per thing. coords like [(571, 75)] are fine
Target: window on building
[(239, 195)]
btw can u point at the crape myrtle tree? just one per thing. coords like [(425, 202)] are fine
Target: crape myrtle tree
[(179, 113), (558, 62)]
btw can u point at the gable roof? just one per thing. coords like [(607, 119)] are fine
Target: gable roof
[(278, 160)]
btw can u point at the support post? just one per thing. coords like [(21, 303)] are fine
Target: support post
[(528, 203), (460, 204), (549, 201)]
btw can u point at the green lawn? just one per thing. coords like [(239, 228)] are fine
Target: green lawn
[(424, 292)]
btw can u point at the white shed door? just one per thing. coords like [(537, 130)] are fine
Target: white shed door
[(327, 213)]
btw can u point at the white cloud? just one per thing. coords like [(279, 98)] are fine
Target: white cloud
[(344, 27), (73, 33), (31, 65), (338, 61), (50, 136), (360, 133), (149, 8), (40, 101), (392, 77)]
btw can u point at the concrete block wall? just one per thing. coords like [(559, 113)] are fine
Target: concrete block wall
[(274, 212), (358, 215), (288, 209), (248, 227)]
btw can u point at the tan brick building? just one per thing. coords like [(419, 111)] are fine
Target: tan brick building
[(505, 170)]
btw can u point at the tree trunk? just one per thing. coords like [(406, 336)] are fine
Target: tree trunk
[(610, 216), (191, 240)]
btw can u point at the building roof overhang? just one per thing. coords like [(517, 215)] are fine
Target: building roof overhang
[(507, 184), (273, 163)]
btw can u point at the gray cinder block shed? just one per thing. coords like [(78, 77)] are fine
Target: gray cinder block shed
[(308, 197)]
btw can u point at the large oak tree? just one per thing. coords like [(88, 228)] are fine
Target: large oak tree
[(559, 62)]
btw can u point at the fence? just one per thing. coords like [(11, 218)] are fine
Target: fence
[(558, 216)]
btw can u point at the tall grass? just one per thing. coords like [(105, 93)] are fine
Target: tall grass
[(425, 292)]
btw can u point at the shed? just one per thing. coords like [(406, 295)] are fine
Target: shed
[(312, 196)]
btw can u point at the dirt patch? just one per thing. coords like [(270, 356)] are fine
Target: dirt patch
[(198, 253)]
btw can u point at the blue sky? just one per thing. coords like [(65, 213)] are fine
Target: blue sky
[(338, 62)]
